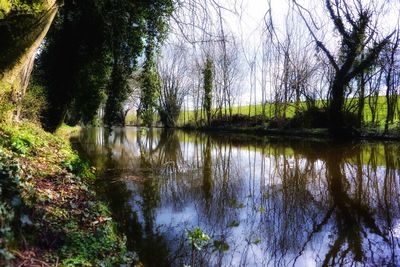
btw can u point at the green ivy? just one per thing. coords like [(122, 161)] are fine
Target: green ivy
[(10, 204), (197, 238)]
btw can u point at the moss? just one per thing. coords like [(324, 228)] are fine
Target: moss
[(58, 213), (6, 106), (22, 6), (5, 7)]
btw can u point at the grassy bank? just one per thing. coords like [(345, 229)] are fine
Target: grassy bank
[(257, 125), (189, 116), (49, 213)]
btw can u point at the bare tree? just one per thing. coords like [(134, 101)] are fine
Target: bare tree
[(392, 80), (227, 74), (374, 80), (354, 22), (172, 69)]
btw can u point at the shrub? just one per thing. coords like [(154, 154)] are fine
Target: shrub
[(311, 118), (34, 103), (6, 106), (238, 120), (78, 166), (10, 205)]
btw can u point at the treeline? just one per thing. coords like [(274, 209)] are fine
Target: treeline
[(333, 67), (84, 62)]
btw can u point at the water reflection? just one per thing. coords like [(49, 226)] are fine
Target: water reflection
[(269, 202)]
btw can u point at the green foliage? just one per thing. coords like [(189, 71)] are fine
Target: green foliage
[(78, 166), (221, 246), (23, 140), (74, 66), (315, 114), (150, 86), (197, 238), (34, 103), (235, 204), (92, 248), (6, 106), (91, 52), (118, 91), (20, 7), (26, 6), (45, 196), (9, 204), (233, 224), (208, 86), (170, 100), (311, 118), (5, 7), (19, 145)]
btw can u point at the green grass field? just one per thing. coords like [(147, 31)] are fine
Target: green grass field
[(189, 116)]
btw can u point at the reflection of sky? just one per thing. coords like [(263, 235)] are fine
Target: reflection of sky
[(275, 216)]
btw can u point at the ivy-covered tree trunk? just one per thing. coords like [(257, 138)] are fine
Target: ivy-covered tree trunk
[(150, 85), (208, 87), (23, 27)]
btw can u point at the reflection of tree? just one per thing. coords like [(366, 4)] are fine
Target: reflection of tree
[(207, 172), (292, 197), (352, 218), (350, 215), (164, 153), (289, 205)]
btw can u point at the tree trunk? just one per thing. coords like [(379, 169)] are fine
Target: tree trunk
[(21, 36), (389, 101), (361, 102), (336, 107)]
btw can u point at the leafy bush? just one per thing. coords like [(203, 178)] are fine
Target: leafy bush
[(311, 118), (91, 248), (78, 166), (24, 139), (10, 205), (34, 103), (277, 123), (238, 120), (19, 146), (5, 104)]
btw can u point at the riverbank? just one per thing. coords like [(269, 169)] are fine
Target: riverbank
[(49, 212), (319, 133)]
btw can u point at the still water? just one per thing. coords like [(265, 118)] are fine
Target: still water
[(262, 202)]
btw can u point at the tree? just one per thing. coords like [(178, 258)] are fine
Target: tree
[(150, 88), (156, 30), (226, 65), (208, 87), (354, 24), (91, 53), (23, 26), (174, 83), (74, 65), (392, 80)]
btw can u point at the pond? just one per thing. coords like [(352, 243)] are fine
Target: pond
[(227, 200)]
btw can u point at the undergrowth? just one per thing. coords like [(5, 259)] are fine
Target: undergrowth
[(48, 212)]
